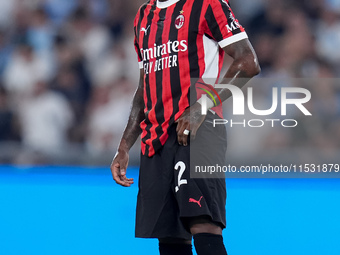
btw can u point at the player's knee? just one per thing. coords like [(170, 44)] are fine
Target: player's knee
[(205, 228), (172, 240), (204, 225)]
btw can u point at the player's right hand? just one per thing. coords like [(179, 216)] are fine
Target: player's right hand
[(118, 169)]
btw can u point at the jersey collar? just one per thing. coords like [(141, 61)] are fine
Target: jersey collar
[(166, 4)]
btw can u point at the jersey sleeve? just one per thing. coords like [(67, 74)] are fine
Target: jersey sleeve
[(140, 60), (222, 23), (137, 48)]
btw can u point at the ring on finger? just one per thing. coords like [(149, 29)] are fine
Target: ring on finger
[(186, 132)]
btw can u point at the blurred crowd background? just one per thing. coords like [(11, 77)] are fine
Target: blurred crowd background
[(68, 72)]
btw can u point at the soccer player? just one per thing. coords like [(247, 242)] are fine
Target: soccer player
[(178, 41)]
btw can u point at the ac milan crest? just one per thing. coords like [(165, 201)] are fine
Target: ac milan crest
[(179, 22)]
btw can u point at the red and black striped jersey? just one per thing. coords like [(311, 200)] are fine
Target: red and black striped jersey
[(178, 41)]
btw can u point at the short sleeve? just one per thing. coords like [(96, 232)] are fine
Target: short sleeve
[(222, 23), (140, 60)]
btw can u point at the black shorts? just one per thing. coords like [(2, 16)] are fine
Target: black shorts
[(167, 195)]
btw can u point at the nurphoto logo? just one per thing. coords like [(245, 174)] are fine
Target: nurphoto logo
[(281, 103)]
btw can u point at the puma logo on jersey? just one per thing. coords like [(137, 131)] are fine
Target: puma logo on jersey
[(191, 200), (145, 30)]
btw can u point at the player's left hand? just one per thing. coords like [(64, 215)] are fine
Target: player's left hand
[(191, 120), (118, 168)]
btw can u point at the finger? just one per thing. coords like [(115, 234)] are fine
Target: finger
[(127, 181), (114, 171), (182, 138), (178, 131), (126, 184), (122, 172), (118, 180), (180, 135), (124, 181), (185, 137), (193, 133), (179, 124), (117, 176), (123, 167)]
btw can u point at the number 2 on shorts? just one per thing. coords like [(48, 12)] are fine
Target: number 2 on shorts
[(181, 167)]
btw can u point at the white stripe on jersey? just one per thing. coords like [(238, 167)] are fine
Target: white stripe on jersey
[(233, 39), (211, 59)]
